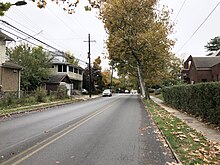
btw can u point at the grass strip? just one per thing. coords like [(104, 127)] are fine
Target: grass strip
[(190, 146), (21, 109)]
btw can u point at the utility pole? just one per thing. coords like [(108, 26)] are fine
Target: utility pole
[(90, 72), (112, 74)]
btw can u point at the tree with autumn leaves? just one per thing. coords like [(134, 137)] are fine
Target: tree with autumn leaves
[(96, 77), (138, 40), (67, 5)]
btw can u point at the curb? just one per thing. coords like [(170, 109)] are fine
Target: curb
[(44, 107), (167, 142)]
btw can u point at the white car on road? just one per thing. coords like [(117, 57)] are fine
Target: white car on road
[(107, 92)]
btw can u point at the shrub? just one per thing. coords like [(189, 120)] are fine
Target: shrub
[(9, 99), (62, 92), (202, 100), (40, 94)]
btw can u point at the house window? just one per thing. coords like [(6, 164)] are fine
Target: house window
[(75, 70), (64, 68), (80, 72), (60, 68), (189, 64), (71, 69)]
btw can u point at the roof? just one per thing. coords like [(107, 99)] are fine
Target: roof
[(57, 62), (5, 37), (8, 64), (206, 62), (57, 78)]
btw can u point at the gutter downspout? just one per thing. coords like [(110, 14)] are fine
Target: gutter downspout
[(19, 83)]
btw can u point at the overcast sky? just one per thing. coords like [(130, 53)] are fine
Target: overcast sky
[(190, 17), (68, 32)]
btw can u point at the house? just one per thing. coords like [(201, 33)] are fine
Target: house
[(63, 73), (201, 69), (10, 73)]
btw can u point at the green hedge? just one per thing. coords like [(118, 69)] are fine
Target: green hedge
[(202, 100)]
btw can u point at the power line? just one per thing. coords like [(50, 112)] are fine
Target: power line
[(30, 35), (38, 45), (198, 27), (30, 42), (62, 21), (21, 38), (24, 16), (180, 10)]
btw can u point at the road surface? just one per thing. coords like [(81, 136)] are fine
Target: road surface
[(106, 131)]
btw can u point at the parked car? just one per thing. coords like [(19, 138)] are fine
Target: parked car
[(126, 91), (134, 92), (107, 92)]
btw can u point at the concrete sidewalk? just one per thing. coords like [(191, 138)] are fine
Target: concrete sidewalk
[(210, 133), (85, 97)]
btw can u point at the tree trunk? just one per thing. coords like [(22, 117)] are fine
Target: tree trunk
[(142, 84)]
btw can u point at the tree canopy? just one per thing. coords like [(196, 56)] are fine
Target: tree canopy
[(138, 38), (67, 5), (71, 59), (34, 62), (213, 44), (96, 76)]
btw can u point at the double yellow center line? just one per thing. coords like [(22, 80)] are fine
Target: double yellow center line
[(41, 145)]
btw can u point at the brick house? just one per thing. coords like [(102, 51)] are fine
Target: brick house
[(201, 69), (10, 73)]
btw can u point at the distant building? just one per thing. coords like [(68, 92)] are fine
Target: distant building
[(10, 73), (63, 73), (201, 69)]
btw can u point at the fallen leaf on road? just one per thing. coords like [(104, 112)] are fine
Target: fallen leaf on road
[(165, 145), (145, 128)]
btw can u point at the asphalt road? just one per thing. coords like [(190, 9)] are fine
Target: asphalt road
[(106, 131)]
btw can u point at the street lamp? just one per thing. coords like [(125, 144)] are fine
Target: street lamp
[(19, 3)]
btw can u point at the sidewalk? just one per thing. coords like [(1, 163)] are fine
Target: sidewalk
[(210, 133), (85, 97)]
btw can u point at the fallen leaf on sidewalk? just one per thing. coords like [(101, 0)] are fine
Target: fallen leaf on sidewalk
[(217, 147), (172, 163), (196, 140)]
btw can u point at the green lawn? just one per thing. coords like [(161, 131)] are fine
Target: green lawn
[(190, 146)]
